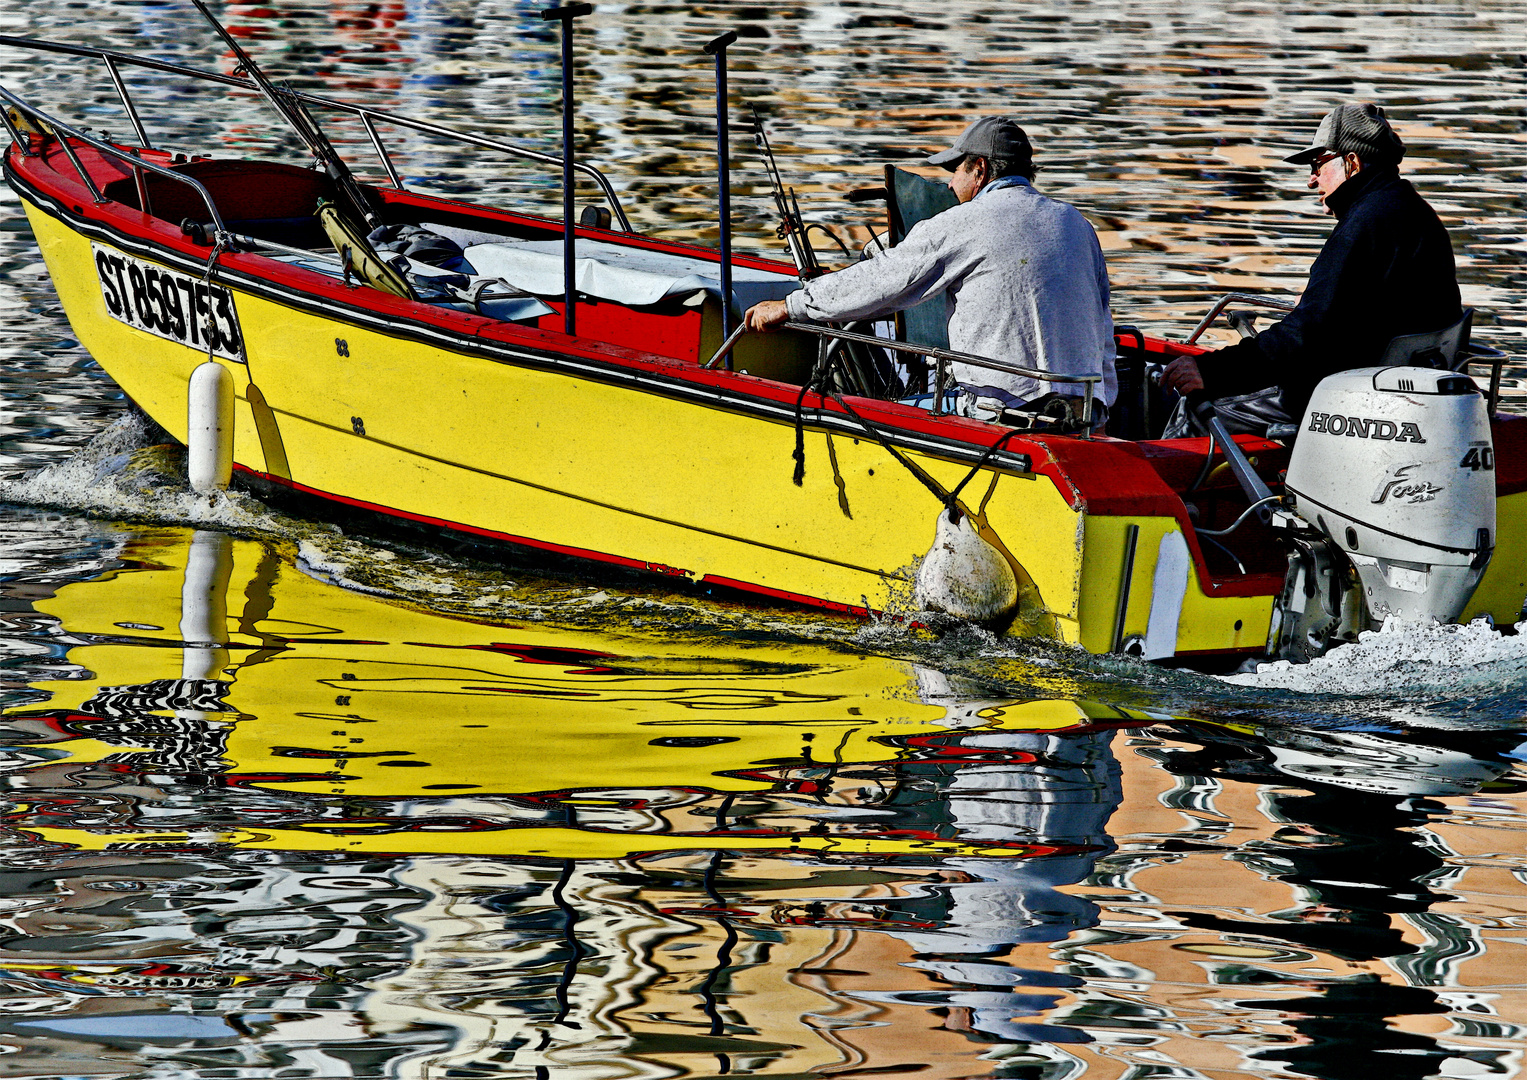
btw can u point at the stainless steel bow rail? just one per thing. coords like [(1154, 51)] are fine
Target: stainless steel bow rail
[(368, 117), (941, 357), (37, 117)]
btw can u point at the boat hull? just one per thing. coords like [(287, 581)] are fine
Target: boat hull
[(585, 466)]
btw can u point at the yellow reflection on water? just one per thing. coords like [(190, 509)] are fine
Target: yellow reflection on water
[(608, 745)]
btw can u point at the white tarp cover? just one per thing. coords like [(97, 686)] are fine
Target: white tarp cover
[(624, 275)]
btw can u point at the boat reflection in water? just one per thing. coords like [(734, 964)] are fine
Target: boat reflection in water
[(266, 824), (357, 831), (1353, 846)]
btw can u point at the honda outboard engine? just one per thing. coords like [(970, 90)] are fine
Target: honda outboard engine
[(1392, 484)]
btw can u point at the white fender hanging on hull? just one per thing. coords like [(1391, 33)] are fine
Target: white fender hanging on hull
[(209, 428), (964, 576)]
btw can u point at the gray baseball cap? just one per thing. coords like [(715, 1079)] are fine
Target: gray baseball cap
[(988, 137), (1354, 129)]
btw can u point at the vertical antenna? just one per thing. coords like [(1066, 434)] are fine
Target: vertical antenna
[(717, 48), (566, 15)]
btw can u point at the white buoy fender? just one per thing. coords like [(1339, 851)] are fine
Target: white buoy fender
[(209, 428), (964, 576)]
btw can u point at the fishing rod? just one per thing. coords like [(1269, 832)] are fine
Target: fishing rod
[(791, 228), (294, 113)]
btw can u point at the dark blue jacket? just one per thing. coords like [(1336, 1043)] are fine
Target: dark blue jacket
[(1385, 270)]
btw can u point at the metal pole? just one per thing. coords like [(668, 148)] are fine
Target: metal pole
[(717, 48), (1126, 579), (566, 15), (127, 101), (381, 151), (731, 339)]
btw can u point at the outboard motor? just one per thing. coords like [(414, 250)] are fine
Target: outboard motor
[(1392, 485)]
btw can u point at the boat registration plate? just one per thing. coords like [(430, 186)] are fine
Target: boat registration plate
[(166, 303)]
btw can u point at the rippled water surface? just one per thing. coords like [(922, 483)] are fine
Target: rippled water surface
[(281, 800)]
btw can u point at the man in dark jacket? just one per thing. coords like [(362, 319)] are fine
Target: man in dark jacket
[(1385, 270)]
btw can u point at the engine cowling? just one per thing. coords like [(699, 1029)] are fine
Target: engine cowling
[(1397, 467)]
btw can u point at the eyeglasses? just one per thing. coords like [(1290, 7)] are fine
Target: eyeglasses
[(1320, 162)]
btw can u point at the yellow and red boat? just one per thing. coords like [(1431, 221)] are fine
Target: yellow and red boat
[(621, 443)]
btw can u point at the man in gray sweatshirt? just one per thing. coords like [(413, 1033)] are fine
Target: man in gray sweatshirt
[(1022, 273)]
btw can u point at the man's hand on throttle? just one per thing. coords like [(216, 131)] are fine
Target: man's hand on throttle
[(1183, 376), (766, 315)]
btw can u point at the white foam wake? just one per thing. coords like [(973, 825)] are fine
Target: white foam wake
[(1403, 657), (126, 474)]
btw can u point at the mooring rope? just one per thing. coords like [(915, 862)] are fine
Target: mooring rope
[(939, 492), (981, 462), (799, 454), (206, 279), (949, 499)]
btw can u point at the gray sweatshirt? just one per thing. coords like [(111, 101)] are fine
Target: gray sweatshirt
[(1024, 279)]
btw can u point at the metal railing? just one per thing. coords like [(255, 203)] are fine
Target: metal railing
[(369, 117), (1471, 351), (1236, 298), (137, 164), (941, 357)]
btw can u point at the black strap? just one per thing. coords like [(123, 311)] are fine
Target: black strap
[(800, 432), (990, 451), (944, 496), (939, 493)]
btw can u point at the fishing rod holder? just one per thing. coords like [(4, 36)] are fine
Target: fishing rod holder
[(792, 226)]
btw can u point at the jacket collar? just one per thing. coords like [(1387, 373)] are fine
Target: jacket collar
[(1005, 182), (1369, 179)]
